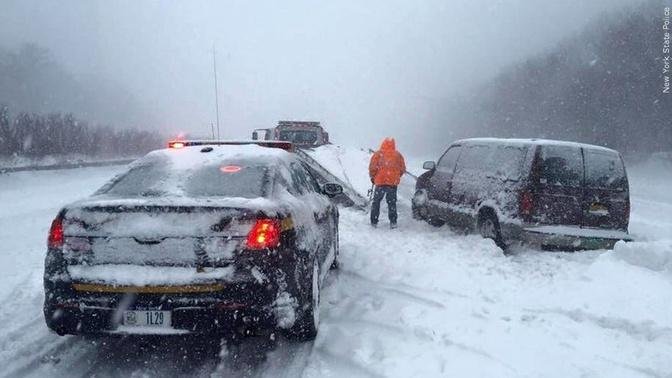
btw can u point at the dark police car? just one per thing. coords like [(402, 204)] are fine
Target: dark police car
[(197, 238)]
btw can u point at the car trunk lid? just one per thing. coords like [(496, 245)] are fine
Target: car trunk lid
[(155, 234)]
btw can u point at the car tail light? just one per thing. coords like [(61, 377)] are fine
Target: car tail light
[(55, 239), (264, 234), (526, 204)]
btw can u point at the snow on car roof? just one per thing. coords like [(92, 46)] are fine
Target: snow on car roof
[(534, 141), (164, 185), (191, 156)]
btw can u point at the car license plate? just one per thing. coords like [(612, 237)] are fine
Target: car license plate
[(147, 318), (598, 209)]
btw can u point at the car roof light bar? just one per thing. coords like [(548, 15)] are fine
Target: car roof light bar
[(176, 144)]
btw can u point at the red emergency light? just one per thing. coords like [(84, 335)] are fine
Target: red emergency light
[(176, 144), (230, 169)]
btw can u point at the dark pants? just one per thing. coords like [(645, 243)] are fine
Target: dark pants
[(390, 194)]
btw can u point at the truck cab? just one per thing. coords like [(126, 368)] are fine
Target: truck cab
[(304, 134)]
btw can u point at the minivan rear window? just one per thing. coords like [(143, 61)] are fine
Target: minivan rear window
[(561, 165), (604, 170)]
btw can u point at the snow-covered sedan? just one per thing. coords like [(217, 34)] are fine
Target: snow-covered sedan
[(195, 239)]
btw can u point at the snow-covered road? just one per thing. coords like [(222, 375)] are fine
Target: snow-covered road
[(417, 301)]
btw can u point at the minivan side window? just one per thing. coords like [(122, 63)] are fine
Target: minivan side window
[(507, 162), (448, 160), (476, 157), (561, 165), (604, 170)]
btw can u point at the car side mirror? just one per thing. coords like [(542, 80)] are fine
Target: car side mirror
[(255, 135), (429, 165), (332, 189)]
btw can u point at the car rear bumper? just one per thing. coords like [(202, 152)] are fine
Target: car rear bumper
[(187, 320), (243, 306), (571, 238)]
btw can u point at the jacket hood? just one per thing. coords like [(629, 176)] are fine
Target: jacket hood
[(388, 145)]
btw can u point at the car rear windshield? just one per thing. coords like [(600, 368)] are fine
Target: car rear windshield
[(561, 165), (226, 179), (604, 170)]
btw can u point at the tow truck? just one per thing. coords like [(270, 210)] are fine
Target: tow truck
[(303, 134)]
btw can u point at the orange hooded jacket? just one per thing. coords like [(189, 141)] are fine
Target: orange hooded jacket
[(387, 165)]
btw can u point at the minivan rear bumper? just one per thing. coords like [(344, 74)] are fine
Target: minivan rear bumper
[(571, 237)]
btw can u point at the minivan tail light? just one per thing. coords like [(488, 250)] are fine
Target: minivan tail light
[(526, 204), (627, 213), (264, 234), (55, 239)]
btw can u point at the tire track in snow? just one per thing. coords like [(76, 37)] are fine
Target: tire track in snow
[(156, 356), (637, 369), (287, 360), (40, 354), (417, 298), (647, 330), (411, 288), (354, 369), (467, 348)]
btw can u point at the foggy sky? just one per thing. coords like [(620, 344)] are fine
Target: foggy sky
[(366, 69)]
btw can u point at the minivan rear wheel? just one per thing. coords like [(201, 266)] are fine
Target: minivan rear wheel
[(488, 227), (419, 212), (434, 221)]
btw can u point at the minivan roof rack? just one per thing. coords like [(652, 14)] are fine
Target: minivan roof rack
[(535, 141)]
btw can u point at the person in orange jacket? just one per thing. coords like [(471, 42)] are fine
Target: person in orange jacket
[(385, 169)]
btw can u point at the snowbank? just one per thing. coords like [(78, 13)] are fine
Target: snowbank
[(348, 164), (22, 163), (351, 165), (655, 256)]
